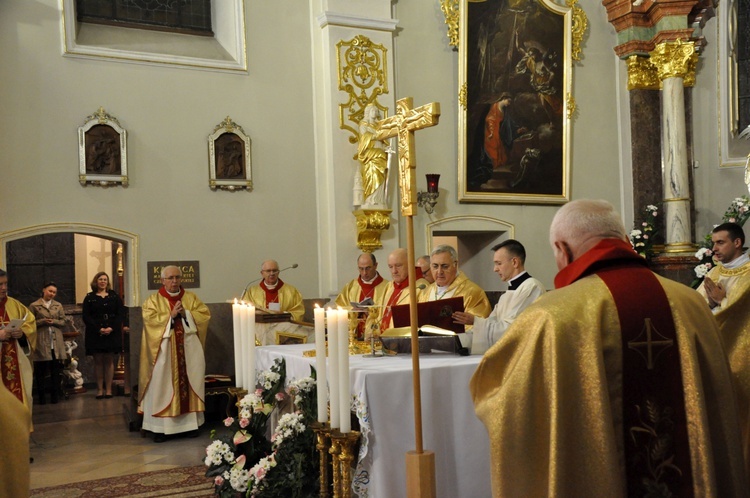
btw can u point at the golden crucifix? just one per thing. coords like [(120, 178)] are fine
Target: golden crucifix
[(404, 123), (420, 465)]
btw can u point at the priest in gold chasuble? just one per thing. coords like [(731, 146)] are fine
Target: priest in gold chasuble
[(275, 294), (615, 384), (15, 424), (369, 284), (172, 367), (16, 345)]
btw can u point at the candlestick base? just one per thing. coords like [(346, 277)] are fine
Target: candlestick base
[(323, 445), (342, 461)]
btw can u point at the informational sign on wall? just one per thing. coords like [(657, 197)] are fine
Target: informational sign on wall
[(191, 274)]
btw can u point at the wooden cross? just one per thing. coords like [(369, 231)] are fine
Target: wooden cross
[(649, 343), (403, 124)]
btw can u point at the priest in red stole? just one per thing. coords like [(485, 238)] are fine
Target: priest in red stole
[(369, 284), (615, 384), (17, 345), (274, 294), (172, 367), (396, 293)]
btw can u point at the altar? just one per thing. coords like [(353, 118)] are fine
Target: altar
[(382, 389)]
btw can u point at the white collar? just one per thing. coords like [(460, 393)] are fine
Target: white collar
[(737, 262)]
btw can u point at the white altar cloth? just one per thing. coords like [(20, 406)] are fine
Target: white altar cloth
[(384, 402)]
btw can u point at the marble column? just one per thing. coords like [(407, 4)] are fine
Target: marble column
[(674, 61)]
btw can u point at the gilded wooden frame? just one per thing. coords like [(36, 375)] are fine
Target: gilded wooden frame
[(283, 338), (517, 149), (230, 162), (102, 151)]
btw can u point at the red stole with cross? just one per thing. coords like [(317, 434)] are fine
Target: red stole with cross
[(10, 370), (183, 385), (657, 450), (272, 295)]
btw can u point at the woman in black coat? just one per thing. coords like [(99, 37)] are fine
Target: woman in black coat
[(103, 314)]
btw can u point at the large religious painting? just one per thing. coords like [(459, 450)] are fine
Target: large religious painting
[(102, 151), (514, 115), (229, 158)]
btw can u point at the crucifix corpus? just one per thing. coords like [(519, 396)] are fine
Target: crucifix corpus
[(420, 464)]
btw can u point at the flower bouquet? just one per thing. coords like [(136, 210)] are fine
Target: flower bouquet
[(244, 462), (642, 237)]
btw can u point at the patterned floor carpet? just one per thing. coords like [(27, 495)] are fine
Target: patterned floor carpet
[(183, 482)]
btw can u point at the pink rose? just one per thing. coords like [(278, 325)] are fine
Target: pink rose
[(228, 421), (259, 392), (244, 422), (218, 480), (280, 396), (731, 220)]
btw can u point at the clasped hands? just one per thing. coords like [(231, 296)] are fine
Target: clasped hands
[(177, 310), (6, 334), (715, 291)]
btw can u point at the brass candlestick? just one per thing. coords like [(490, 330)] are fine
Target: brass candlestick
[(335, 451), (343, 460), (323, 435)]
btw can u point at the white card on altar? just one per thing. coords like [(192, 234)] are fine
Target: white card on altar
[(274, 306)]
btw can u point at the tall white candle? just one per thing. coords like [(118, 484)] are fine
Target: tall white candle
[(251, 347), (236, 324), (244, 317), (320, 363), (344, 382), (333, 365)]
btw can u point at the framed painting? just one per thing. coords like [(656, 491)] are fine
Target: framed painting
[(229, 158), (283, 338), (515, 63), (102, 151)]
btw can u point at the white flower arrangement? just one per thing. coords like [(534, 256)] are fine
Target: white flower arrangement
[(268, 378), (218, 452), (297, 388), (290, 424), (258, 472)]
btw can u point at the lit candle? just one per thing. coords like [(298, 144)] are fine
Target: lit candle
[(344, 383), (250, 347), (237, 327), (320, 363), (333, 365)]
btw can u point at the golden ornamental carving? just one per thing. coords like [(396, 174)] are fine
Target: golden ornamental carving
[(371, 223), (674, 59), (462, 95), (571, 105), (642, 74), (579, 25), (450, 11), (102, 117), (363, 75)]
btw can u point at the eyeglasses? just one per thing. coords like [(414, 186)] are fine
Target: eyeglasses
[(174, 277), (270, 271)]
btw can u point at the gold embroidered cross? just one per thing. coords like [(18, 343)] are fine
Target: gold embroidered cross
[(649, 330), (403, 124)]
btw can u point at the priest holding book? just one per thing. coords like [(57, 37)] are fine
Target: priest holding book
[(274, 294), (369, 285)]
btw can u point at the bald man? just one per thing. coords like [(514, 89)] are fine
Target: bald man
[(369, 284), (274, 294), (615, 384), (396, 292)]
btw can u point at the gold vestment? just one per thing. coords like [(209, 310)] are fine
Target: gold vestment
[(15, 425), (290, 300), (550, 394), (16, 310), (475, 300)]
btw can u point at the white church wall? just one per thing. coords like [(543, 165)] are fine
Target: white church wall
[(168, 113)]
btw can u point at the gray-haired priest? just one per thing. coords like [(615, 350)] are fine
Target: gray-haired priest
[(172, 370)]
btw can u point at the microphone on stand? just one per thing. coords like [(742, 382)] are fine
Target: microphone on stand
[(295, 265)]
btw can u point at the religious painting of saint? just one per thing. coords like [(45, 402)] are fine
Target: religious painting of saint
[(515, 67), (229, 157), (102, 150)]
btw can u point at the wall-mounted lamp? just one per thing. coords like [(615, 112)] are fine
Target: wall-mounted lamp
[(428, 199)]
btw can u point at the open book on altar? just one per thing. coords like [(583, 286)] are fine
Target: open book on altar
[(436, 313), (264, 315)]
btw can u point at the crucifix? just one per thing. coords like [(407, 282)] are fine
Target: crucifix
[(420, 464)]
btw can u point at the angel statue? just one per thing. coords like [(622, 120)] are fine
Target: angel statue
[(371, 184)]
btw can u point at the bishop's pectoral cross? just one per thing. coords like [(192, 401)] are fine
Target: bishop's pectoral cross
[(649, 330), (404, 123)]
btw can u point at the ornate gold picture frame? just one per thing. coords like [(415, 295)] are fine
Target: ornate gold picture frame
[(515, 74), (283, 338), (229, 158), (102, 151)]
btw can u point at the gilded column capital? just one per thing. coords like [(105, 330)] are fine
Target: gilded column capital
[(642, 74), (674, 59)]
